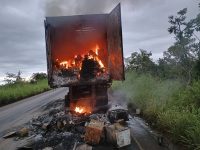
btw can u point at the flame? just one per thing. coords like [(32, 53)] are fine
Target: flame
[(76, 62), (100, 63), (64, 64), (73, 62), (96, 50), (82, 110), (97, 53), (79, 110)]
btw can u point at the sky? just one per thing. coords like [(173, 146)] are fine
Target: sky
[(22, 41)]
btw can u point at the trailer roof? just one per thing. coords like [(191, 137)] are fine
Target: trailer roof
[(59, 20)]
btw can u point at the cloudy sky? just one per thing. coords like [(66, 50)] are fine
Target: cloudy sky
[(22, 43)]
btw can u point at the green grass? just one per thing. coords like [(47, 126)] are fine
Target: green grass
[(13, 92), (169, 105)]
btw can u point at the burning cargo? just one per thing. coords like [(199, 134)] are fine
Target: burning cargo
[(85, 53)]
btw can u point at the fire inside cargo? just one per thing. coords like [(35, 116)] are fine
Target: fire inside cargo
[(84, 49), (82, 66)]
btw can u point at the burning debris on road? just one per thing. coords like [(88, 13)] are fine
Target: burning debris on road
[(56, 130), (84, 53)]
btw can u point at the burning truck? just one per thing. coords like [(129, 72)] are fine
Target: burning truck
[(85, 53)]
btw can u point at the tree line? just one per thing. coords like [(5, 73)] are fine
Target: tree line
[(12, 78), (181, 60)]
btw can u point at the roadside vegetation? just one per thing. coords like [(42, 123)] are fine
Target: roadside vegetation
[(167, 105), (168, 91), (16, 88)]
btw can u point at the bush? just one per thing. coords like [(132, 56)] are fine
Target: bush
[(13, 92), (169, 104), (189, 97)]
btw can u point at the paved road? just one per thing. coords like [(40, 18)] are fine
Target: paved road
[(21, 112)]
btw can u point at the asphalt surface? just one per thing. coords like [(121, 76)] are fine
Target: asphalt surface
[(18, 113), (21, 112)]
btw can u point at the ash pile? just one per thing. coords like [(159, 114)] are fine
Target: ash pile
[(59, 130)]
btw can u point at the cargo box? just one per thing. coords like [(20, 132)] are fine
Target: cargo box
[(84, 49), (118, 135)]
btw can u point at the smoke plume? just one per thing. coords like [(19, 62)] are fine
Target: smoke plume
[(78, 7)]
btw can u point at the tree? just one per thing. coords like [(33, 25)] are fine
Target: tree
[(196, 22), (141, 62), (12, 78), (39, 76), (18, 76), (184, 52)]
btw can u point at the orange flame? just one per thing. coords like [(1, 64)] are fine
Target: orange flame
[(82, 110), (100, 63), (79, 110), (64, 64), (97, 53), (91, 55), (96, 50)]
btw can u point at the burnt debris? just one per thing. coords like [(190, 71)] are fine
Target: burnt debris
[(89, 69), (56, 130)]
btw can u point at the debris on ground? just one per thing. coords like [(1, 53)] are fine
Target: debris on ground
[(118, 135), (138, 111), (47, 148), (10, 134), (116, 113), (58, 130), (94, 132), (23, 132), (82, 147)]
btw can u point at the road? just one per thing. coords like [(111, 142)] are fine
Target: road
[(16, 114)]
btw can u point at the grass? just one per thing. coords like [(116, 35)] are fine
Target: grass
[(10, 93), (169, 105)]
